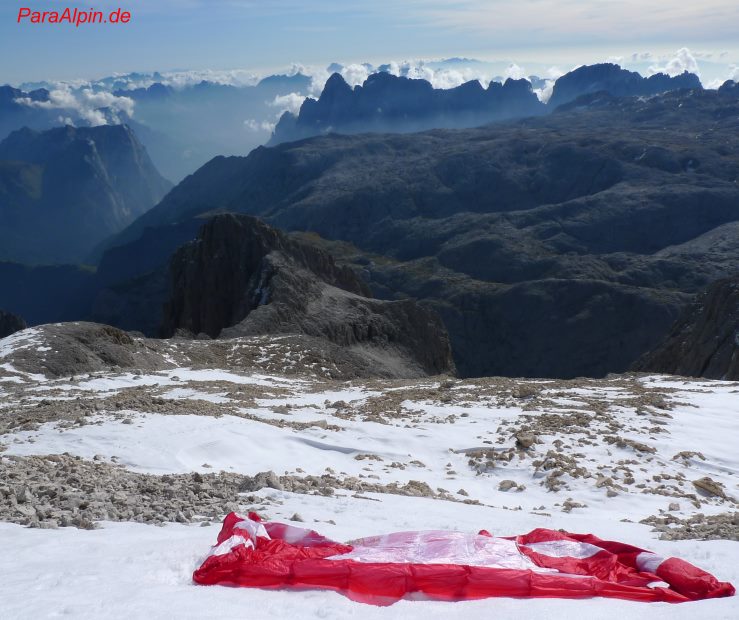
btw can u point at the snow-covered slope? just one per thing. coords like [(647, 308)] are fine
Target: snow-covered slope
[(349, 459)]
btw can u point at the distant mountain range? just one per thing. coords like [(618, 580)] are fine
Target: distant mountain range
[(15, 115), (65, 190), (386, 103), (183, 127)]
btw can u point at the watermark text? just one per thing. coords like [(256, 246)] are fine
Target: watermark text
[(73, 16)]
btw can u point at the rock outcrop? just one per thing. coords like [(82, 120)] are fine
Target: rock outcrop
[(68, 349), (614, 80), (704, 342), (241, 277), (730, 88)]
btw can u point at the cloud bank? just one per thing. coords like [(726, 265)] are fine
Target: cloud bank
[(94, 108)]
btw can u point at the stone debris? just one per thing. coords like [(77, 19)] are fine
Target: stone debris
[(525, 441), (637, 446), (570, 504), (62, 490), (686, 455), (710, 486), (724, 526)]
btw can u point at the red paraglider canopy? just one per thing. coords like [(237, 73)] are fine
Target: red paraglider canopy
[(447, 565)]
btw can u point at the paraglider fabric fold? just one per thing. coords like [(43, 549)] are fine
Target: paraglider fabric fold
[(448, 565)]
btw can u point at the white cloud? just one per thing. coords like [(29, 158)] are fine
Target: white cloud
[(355, 74), (514, 72), (256, 126), (439, 77), (553, 73), (546, 92), (288, 103), (451, 78), (682, 61), (236, 77), (87, 104), (175, 79), (415, 69), (318, 81)]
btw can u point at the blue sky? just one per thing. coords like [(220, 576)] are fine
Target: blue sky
[(230, 34)]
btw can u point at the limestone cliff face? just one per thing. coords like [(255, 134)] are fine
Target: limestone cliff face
[(241, 277), (704, 342)]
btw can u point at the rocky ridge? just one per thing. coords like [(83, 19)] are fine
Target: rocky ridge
[(75, 349), (704, 342)]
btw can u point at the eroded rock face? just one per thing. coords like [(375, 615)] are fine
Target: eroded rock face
[(241, 277), (10, 323), (704, 342)]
